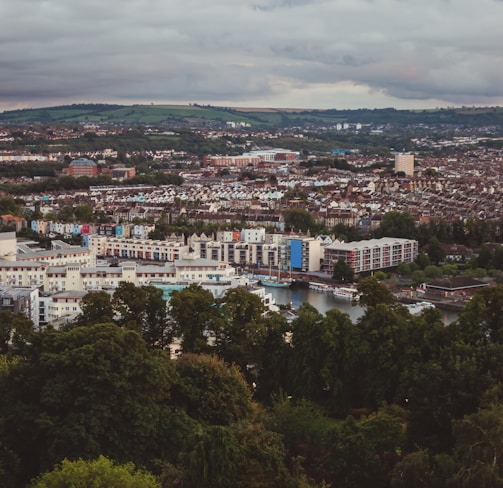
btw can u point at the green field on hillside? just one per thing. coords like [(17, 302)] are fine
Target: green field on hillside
[(197, 115)]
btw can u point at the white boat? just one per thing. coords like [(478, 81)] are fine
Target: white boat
[(346, 293), (418, 307), (323, 287)]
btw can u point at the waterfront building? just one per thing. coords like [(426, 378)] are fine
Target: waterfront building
[(303, 254), (255, 247), (147, 249), (370, 255), (206, 247), (254, 235)]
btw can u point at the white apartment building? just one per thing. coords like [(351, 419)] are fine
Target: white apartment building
[(255, 235), (64, 282), (75, 277), (228, 236), (370, 255), (196, 269), (66, 286), (267, 255), (208, 249), (236, 252), (137, 248), (59, 257), (260, 249), (23, 273), (60, 308), (79, 278)]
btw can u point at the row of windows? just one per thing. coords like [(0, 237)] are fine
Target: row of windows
[(56, 309)]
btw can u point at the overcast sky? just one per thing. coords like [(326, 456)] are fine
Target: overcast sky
[(252, 53)]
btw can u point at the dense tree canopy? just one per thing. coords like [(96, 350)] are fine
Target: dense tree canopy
[(85, 392), (241, 331), (100, 473), (483, 317), (343, 272), (299, 220), (96, 307), (211, 390), (436, 251), (372, 293), (16, 330), (268, 405), (194, 312), (398, 224), (140, 308)]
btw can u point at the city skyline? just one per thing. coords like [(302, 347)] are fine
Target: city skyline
[(341, 54)]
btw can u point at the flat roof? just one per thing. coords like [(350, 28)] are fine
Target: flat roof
[(7, 236), (70, 294), (52, 252), (21, 264), (189, 263), (349, 246)]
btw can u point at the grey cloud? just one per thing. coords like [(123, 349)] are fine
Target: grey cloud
[(281, 4), (230, 51)]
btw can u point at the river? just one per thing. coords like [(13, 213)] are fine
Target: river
[(326, 301)]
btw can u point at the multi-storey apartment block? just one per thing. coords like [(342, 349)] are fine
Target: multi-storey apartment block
[(257, 248), (372, 254), (22, 300), (303, 254), (137, 248), (404, 163), (61, 307)]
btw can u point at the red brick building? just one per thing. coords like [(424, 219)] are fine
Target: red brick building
[(82, 167)]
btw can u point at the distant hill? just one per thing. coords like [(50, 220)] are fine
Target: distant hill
[(208, 116)]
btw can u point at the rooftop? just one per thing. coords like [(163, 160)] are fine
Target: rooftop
[(82, 162)]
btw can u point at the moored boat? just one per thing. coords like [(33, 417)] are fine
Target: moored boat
[(275, 284), (419, 307), (323, 287), (346, 293)]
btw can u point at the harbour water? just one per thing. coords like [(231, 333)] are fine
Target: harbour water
[(326, 301)]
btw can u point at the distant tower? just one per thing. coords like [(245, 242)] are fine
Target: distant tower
[(405, 163)]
